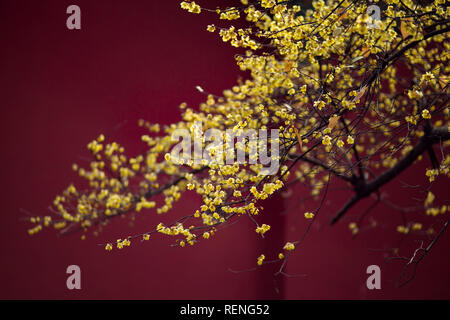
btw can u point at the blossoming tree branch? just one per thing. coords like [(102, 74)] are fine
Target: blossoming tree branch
[(335, 95)]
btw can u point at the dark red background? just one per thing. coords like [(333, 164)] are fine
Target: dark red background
[(141, 59)]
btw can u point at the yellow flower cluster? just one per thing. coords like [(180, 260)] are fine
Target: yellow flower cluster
[(309, 215), (176, 230), (262, 229), (120, 244), (191, 6), (261, 259), (353, 228), (289, 246), (402, 229)]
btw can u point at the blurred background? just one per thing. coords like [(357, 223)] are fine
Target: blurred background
[(137, 59)]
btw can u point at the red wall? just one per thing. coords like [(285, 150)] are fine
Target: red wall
[(141, 59)]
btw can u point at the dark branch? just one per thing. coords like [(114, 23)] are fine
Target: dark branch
[(363, 189)]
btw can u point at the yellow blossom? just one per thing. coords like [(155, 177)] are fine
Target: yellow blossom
[(289, 246)]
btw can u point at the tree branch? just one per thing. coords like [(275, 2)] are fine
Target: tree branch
[(363, 189)]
